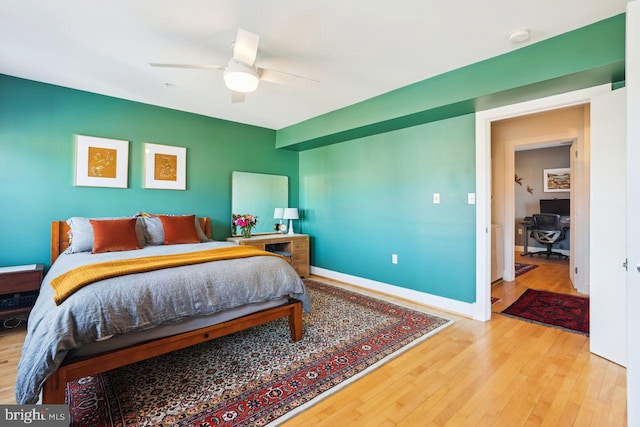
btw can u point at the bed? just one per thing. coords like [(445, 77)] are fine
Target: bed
[(121, 320)]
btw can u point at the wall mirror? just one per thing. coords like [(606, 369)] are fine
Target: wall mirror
[(258, 194)]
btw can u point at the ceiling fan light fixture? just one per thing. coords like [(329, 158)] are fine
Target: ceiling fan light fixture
[(240, 77)]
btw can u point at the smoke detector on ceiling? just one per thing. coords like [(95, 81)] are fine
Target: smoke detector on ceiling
[(519, 35)]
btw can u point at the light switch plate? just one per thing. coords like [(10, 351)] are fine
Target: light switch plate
[(436, 198), (471, 198)]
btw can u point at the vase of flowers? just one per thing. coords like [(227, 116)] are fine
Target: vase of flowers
[(246, 222)]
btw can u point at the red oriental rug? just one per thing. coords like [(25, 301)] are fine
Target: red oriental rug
[(257, 376), (522, 268), (568, 312)]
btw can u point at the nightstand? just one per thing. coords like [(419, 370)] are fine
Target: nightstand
[(19, 287), (295, 244)]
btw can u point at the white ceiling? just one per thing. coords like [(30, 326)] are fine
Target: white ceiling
[(357, 49)]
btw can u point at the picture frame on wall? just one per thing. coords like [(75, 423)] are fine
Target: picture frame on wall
[(557, 180), (101, 162), (165, 167)]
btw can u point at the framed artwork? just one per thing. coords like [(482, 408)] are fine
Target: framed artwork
[(165, 167), (557, 180), (101, 162)]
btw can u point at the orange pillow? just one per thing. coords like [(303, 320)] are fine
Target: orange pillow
[(179, 229), (112, 235)]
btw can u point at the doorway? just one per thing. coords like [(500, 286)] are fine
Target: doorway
[(532, 166), (543, 141), (604, 180), (484, 198)]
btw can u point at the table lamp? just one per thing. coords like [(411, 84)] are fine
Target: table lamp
[(290, 214)]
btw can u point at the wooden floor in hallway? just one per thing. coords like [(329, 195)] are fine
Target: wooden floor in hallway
[(550, 275)]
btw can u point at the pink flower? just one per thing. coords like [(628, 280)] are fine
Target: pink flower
[(246, 220)]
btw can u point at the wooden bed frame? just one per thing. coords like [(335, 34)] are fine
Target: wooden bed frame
[(54, 388)]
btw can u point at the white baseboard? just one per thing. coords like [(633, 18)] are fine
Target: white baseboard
[(536, 249), (446, 304)]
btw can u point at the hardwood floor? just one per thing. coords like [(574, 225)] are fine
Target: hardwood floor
[(504, 372), (10, 349)]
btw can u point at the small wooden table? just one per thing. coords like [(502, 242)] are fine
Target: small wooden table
[(295, 244), (19, 286)]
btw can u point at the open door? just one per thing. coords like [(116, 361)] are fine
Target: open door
[(608, 227), (633, 210), (573, 155)]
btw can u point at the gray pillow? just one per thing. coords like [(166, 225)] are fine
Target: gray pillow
[(203, 238), (81, 233), (153, 231)]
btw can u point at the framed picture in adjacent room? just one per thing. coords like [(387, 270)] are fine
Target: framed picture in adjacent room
[(165, 167), (557, 180), (101, 162)]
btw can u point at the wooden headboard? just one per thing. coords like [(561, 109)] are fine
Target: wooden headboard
[(60, 235)]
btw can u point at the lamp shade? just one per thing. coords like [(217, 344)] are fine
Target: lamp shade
[(290, 213), (278, 213)]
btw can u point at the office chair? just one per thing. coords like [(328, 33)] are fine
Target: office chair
[(547, 230)]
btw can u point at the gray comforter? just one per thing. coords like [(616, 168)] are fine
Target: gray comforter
[(141, 301)]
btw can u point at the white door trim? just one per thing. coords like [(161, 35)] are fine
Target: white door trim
[(482, 306)]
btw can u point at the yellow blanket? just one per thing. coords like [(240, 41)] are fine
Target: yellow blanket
[(73, 280)]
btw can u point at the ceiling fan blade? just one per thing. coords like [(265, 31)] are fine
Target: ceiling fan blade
[(237, 97), (193, 66), (281, 77), (245, 48)]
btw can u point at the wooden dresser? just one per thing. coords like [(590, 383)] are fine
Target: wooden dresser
[(295, 244)]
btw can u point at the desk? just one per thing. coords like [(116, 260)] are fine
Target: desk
[(528, 225)]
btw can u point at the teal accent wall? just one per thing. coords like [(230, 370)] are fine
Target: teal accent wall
[(37, 162), (369, 198), (586, 57), (368, 171)]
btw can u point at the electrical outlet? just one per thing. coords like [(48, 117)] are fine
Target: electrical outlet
[(394, 258), (436, 198)]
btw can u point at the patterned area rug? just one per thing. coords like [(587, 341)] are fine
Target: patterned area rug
[(523, 268), (257, 376), (568, 312)]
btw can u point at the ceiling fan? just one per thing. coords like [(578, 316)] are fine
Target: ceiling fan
[(241, 75)]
